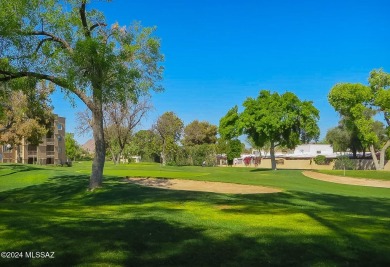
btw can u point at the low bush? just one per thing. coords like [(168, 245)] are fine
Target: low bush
[(321, 160)]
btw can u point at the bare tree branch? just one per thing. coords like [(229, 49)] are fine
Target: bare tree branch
[(99, 24), (83, 18), (58, 81), (84, 122), (57, 39), (42, 42)]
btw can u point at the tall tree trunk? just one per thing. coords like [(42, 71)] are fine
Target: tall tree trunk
[(272, 153), (354, 152), (163, 154), (380, 165), (118, 158), (374, 158), (383, 155), (112, 155), (96, 178)]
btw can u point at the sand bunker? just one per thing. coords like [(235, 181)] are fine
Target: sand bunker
[(203, 186), (347, 180)]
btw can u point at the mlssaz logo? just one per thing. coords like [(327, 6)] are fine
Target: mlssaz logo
[(40, 255)]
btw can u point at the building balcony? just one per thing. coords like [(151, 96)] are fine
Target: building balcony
[(50, 153), (49, 141), (32, 153)]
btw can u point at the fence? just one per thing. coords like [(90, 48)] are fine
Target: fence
[(308, 164)]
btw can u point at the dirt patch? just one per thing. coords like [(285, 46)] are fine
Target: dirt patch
[(202, 186), (346, 180)]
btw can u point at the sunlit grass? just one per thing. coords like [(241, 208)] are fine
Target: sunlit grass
[(18, 175)]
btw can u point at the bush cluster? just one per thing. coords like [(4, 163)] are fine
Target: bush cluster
[(321, 160)]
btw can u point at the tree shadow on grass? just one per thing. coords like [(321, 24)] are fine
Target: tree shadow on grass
[(113, 226), (19, 168), (58, 188), (156, 242), (261, 170)]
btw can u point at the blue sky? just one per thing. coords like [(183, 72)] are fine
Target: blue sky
[(218, 53)]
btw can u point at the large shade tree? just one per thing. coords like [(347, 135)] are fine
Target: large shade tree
[(71, 45), (282, 120), (362, 104)]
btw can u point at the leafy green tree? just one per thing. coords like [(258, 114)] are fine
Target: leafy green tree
[(198, 154), (228, 125), (72, 148), (345, 136), (281, 120), (234, 149), (198, 133), (147, 144), (26, 113), (221, 146), (362, 104), (169, 128), (70, 45)]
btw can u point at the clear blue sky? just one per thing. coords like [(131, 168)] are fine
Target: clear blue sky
[(218, 53)]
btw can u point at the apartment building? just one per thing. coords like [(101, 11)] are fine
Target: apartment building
[(50, 151)]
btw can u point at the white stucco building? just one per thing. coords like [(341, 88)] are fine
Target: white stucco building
[(313, 150)]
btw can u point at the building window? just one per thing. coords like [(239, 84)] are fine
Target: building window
[(59, 126), (59, 150), (319, 152), (7, 148), (59, 138)]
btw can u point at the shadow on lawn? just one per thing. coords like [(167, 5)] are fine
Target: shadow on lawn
[(18, 168), (152, 242), (106, 227)]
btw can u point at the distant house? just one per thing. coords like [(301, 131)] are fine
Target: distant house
[(312, 150), (50, 151), (305, 151)]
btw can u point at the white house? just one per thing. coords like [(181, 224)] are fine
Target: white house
[(312, 150)]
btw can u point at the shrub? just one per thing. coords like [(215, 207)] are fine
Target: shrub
[(320, 160), (202, 153)]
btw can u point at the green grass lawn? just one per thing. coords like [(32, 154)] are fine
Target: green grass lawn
[(310, 223), (15, 176), (377, 175)]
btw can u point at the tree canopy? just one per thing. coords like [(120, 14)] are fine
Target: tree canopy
[(26, 113), (72, 46), (361, 104), (147, 144), (345, 136), (169, 127), (73, 150), (281, 120), (199, 132)]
